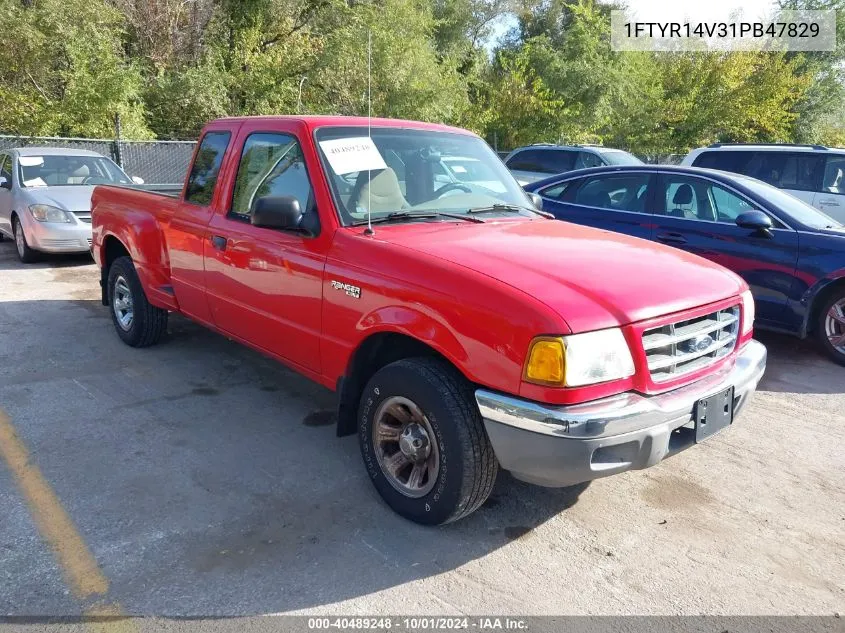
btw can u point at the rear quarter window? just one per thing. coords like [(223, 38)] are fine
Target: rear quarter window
[(206, 168)]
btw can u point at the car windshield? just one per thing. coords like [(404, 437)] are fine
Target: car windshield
[(69, 170), (620, 157), (790, 205), (403, 169)]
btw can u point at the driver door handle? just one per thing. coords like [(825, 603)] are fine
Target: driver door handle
[(219, 242), (672, 238)]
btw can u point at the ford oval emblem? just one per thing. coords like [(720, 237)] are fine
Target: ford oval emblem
[(698, 343)]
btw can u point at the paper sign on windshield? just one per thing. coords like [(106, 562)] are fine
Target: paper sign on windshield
[(31, 161), (346, 155)]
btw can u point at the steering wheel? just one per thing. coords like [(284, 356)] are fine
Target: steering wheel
[(450, 186)]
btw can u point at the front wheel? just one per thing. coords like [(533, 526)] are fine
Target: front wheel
[(26, 254), (137, 321), (423, 441), (831, 327)]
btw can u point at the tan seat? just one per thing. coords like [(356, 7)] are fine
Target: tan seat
[(379, 189)]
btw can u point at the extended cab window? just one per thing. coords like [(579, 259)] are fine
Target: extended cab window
[(271, 165), (206, 167)]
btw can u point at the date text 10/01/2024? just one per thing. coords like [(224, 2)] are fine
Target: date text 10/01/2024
[(491, 623)]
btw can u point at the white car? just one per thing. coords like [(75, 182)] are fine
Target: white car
[(813, 173), (45, 197)]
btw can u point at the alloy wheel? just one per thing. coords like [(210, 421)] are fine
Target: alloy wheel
[(406, 447), (835, 326), (122, 304)]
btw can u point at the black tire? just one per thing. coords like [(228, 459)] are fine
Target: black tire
[(467, 464), (148, 323), (26, 254), (821, 327)]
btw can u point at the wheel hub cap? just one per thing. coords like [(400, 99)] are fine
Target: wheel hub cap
[(414, 442)]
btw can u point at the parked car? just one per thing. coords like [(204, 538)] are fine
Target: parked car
[(462, 330), (536, 162), (45, 198), (814, 173), (791, 254)]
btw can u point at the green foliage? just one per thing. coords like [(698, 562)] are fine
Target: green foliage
[(62, 70), (68, 67)]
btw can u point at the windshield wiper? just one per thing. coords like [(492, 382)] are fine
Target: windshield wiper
[(401, 216), (509, 208)]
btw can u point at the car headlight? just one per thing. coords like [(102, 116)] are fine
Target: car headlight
[(46, 213), (579, 359), (748, 312)]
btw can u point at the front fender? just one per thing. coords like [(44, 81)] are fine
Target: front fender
[(418, 325)]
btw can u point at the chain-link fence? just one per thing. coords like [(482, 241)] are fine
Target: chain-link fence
[(157, 162)]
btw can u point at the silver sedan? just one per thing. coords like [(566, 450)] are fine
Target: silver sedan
[(45, 197)]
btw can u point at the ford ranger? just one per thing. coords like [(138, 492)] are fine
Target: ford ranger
[(462, 329)]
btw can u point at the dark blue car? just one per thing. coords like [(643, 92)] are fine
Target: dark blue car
[(791, 254)]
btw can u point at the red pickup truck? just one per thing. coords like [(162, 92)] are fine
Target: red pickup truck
[(400, 264)]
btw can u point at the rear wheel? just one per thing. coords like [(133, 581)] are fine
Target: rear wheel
[(26, 254), (138, 323), (831, 326), (423, 441)]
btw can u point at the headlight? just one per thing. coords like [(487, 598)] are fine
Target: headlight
[(579, 359), (747, 312), (46, 213)]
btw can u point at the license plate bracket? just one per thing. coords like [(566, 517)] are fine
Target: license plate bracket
[(713, 413)]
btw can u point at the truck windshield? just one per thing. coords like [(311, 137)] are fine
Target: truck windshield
[(68, 170), (400, 169)]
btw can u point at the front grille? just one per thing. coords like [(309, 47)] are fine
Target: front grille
[(60, 243), (679, 348), (83, 216)]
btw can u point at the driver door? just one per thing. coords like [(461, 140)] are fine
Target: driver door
[(265, 285), (698, 215)]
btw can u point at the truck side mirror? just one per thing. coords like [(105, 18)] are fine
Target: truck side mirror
[(277, 212), (536, 200), (755, 221)]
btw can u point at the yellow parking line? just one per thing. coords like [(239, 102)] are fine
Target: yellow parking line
[(78, 564)]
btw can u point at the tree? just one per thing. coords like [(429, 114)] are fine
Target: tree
[(62, 70)]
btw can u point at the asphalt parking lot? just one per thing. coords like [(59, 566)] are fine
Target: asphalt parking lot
[(199, 478)]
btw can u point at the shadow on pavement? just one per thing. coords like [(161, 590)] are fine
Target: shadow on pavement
[(799, 366)]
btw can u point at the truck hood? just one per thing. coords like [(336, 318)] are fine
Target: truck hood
[(69, 198), (593, 279)]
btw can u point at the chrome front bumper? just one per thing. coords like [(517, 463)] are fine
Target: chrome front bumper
[(565, 445)]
